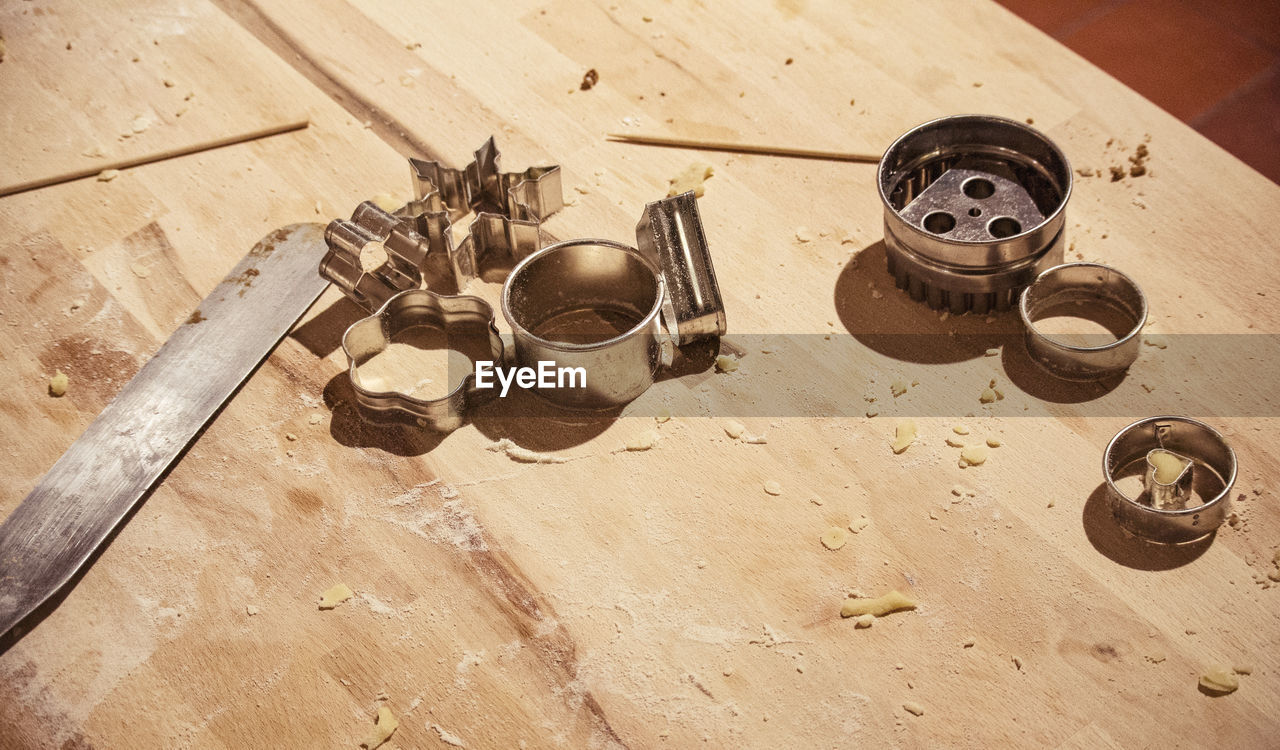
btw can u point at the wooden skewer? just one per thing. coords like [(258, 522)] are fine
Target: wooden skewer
[(151, 158), (745, 148)]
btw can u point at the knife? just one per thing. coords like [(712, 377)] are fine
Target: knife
[(102, 476)]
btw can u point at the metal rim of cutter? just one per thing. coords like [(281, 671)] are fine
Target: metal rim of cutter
[(974, 209), (665, 290), (1188, 438), (1083, 284), (421, 308)]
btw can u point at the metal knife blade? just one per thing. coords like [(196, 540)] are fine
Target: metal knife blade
[(104, 473)]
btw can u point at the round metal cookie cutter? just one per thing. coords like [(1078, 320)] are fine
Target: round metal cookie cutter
[(974, 209), (615, 311), (1189, 440), (1075, 285)]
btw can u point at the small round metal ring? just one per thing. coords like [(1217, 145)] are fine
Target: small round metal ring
[(1213, 462), (1081, 284)]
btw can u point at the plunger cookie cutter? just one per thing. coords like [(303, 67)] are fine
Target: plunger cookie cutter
[(1174, 455), (974, 209), (380, 260), (1084, 284)]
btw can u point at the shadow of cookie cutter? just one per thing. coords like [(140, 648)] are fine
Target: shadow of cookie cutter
[(417, 238), (1159, 519), (615, 311)]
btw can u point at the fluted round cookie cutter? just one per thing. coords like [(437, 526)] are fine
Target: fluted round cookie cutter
[(1084, 284), (616, 312), (974, 209), (1161, 512)]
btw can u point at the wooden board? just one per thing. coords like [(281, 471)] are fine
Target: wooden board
[(635, 599)]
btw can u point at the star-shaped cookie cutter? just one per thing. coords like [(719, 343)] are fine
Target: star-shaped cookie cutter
[(416, 239)]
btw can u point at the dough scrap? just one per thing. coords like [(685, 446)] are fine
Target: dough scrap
[(692, 178), (726, 363), (107, 175), (898, 387), (880, 606), (734, 429), (337, 594), (644, 441), (386, 201), (834, 538), (773, 487), (1219, 679), (382, 731), (904, 436), (973, 455), (913, 708), (58, 384), (960, 430), (1169, 466), (524, 455)]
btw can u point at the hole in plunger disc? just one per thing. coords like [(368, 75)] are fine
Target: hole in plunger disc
[(939, 222)]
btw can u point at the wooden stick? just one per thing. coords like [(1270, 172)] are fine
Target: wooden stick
[(744, 148), (138, 161)]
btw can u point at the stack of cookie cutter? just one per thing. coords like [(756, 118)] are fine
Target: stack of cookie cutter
[(613, 310), (1163, 511)]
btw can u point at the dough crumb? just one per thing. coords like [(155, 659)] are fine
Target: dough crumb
[(1242, 669), (973, 455), (969, 643), (589, 79), (448, 737), (994, 352), (954, 442), (663, 415), (290, 436), (336, 595), (834, 538), (803, 235), (524, 455), (386, 201), (644, 441), (1219, 679), (755, 439), (773, 487), (58, 384), (692, 178), (315, 419), (898, 387), (904, 436), (385, 726), (140, 124), (251, 610), (107, 175), (140, 270), (880, 606), (994, 442), (913, 708), (859, 525), (734, 429), (960, 430), (864, 621), (726, 363)]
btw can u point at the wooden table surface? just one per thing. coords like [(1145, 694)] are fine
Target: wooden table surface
[(650, 599)]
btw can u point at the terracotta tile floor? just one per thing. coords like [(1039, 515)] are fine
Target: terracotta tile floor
[(1214, 64)]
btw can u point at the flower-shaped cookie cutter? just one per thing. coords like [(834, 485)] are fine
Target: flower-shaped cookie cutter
[(455, 317), (377, 254)]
